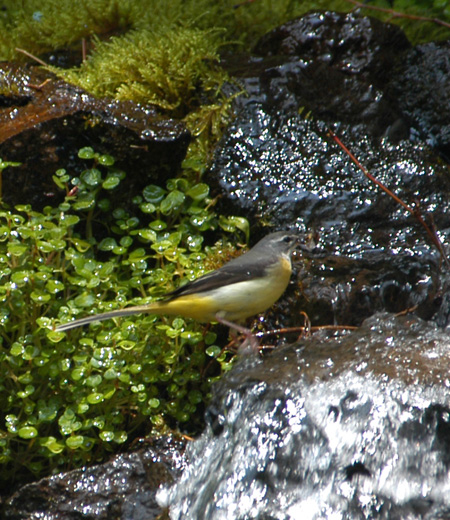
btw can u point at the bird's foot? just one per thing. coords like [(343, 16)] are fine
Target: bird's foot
[(250, 342)]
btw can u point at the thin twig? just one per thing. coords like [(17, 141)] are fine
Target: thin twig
[(32, 56), (414, 211), (292, 330), (398, 14), (83, 49)]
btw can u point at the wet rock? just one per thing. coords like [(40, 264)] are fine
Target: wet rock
[(346, 42), (339, 65), (278, 162), (45, 121), (352, 425), (122, 488), (421, 84)]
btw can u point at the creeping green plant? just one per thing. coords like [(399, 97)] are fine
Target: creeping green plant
[(69, 398)]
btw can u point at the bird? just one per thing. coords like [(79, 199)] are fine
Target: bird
[(245, 286)]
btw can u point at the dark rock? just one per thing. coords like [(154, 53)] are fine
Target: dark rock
[(347, 42), (123, 488), (421, 84), (45, 121), (344, 62)]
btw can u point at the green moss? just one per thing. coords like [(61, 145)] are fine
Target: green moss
[(165, 69), (417, 18), (44, 26)]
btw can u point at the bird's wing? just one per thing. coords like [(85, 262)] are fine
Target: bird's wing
[(229, 274)]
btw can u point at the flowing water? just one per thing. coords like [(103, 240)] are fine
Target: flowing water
[(355, 425)]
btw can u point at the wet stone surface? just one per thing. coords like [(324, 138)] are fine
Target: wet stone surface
[(124, 488), (348, 43), (421, 83)]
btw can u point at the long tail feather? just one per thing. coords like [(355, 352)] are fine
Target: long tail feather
[(128, 311)]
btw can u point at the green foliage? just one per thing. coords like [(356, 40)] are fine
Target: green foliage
[(69, 398), (416, 17), (46, 25)]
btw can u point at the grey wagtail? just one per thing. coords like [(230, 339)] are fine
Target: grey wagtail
[(243, 287)]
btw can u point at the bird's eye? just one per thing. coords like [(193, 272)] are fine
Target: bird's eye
[(288, 239)]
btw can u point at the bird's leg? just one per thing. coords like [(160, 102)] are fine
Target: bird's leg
[(249, 337)]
